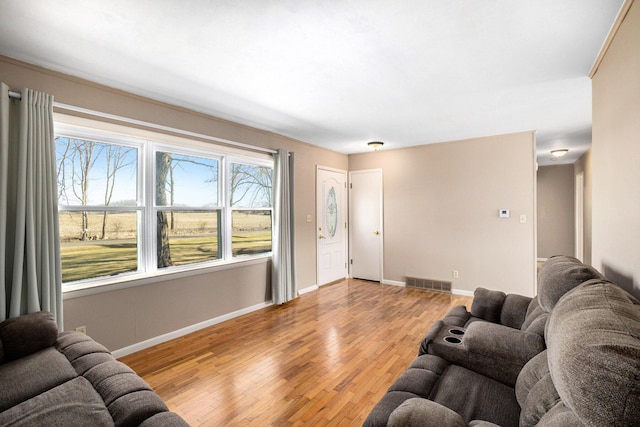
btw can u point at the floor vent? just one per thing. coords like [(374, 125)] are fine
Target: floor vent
[(428, 284)]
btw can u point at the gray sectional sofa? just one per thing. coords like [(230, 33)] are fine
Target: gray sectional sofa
[(67, 379), (568, 357)]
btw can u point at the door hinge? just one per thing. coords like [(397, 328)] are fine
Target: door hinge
[(351, 260)]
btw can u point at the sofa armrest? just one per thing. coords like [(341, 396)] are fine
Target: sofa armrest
[(418, 412), (496, 351), (27, 334), (506, 344)]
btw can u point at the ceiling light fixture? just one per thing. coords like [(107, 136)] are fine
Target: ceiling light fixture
[(375, 145), (559, 153)]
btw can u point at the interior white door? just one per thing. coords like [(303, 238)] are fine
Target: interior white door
[(365, 224), (331, 225)]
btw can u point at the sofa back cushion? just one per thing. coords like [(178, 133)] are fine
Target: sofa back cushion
[(593, 341), (514, 310), (560, 274), (487, 304), (26, 334)]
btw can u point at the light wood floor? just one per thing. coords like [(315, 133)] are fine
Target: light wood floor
[(324, 359)]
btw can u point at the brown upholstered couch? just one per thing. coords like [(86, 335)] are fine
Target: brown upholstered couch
[(67, 379), (568, 357)]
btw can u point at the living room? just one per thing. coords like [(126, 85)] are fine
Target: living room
[(453, 190)]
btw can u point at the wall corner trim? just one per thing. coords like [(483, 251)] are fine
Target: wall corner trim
[(622, 13)]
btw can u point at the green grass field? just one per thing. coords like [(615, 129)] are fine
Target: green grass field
[(193, 240)]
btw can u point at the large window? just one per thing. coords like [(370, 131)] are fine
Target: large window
[(131, 207), (187, 207), (250, 198)]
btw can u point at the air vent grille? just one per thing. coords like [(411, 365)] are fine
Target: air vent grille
[(428, 284)]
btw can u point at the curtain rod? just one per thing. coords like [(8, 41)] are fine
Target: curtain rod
[(161, 127), (18, 95)]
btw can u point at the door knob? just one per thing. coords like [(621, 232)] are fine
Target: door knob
[(377, 233)]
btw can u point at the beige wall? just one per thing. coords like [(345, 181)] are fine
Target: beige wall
[(616, 156), (583, 165), (441, 205), (556, 219), (121, 318)]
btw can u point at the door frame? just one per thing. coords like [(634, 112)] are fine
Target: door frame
[(579, 216), (381, 219), (317, 222)]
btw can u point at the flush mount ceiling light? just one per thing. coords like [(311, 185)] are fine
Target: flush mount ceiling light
[(559, 153), (375, 145)]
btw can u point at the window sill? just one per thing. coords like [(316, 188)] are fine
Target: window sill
[(110, 284)]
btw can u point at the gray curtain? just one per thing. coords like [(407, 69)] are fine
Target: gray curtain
[(283, 277), (30, 271)]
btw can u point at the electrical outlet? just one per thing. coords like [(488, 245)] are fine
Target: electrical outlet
[(82, 329), (456, 274)]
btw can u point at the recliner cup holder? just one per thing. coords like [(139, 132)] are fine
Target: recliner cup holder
[(456, 331), (453, 340)]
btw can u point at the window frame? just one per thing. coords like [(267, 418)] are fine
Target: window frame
[(148, 143), (230, 209)]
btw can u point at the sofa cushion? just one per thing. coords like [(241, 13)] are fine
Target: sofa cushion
[(75, 345), (535, 369), (379, 415), (560, 416), (31, 375), (164, 419), (471, 395), (560, 274), (487, 304), (514, 310), (27, 334), (133, 408), (593, 350), (476, 397), (114, 380), (541, 398), (73, 403), (418, 412)]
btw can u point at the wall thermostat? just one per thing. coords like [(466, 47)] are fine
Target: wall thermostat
[(504, 213)]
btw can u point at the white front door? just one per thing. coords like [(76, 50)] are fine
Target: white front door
[(365, 224), (331, 225)]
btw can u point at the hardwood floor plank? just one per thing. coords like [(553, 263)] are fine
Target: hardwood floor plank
[(324, 359)]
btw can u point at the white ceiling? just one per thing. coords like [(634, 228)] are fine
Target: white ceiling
[(337, 73)]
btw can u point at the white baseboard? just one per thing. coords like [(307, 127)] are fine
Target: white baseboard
[(392, 282), (308, 289), (186, 330), (462, 292)]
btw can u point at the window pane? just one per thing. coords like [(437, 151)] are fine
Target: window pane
[(96, 244), (94, 173), (251, 232), (187, 237), (250, 186), (186, 180)]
